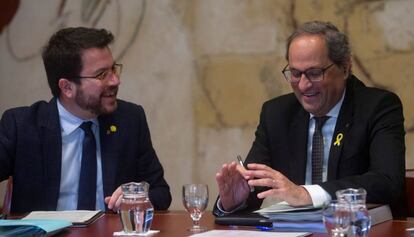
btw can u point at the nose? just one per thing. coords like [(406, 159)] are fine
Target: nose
[(304, 83), (114, 80)]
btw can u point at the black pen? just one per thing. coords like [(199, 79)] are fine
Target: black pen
[(239, 159)]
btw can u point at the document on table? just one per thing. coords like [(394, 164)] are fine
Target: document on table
[(249, 233), (77, 217), (282, 207)]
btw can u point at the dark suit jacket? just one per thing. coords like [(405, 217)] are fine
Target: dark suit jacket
[(371, 154), (31, 149)]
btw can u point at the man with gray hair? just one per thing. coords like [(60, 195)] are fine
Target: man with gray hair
[(331, 133)]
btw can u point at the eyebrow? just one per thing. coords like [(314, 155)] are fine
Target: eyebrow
[(101, 70), (292, 68)]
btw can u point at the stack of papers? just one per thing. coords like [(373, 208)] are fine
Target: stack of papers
[(308, 218), (289, 218), (284, 212)]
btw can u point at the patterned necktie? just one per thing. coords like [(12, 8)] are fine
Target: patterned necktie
[(317, 150), (87, 178)]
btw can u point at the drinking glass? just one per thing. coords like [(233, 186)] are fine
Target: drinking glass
[(136, 210), (360, 218), (195, 200), (337, 217)]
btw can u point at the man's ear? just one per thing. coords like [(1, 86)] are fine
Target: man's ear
[(66, 88), (347, 69)]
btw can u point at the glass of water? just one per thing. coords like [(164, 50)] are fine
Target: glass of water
[(360, 218), (337, 217), (195, 200), (136, 210)]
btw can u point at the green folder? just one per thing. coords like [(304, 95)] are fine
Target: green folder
[(30, 227)]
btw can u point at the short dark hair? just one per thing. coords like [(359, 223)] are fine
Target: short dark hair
[(337, 43), (62, 54)]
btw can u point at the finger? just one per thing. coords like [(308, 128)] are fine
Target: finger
[(107, 199), (261, 174), (256, 166), (269, 193), (220, 181), (265, 182), (114, 198), (264, 168), (118, 203)]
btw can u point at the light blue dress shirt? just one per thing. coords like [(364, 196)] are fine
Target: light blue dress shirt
[(72, 137), (318, 194)]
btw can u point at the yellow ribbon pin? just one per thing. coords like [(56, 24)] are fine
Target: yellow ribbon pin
[(112, 129), (338, 139)]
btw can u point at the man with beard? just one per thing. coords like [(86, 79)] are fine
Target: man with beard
[(75, 151)]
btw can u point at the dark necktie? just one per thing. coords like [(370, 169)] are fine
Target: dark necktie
[(317, 150), (87, 178)]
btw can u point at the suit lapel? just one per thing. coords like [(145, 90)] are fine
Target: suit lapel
[(109, 138), (298, 141), (341, 133), (51, 141)]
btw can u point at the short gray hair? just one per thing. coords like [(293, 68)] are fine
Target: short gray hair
[(337, 43)]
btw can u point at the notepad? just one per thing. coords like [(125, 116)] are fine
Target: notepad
[(77, 217)]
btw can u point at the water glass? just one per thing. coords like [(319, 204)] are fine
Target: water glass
[(195, 200), (136, 211), (336, 218), (360, 218)]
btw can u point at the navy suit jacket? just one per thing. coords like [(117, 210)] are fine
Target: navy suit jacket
[(371, 154), (31, 152)]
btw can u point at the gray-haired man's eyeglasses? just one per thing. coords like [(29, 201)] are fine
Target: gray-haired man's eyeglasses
[(313, 74)]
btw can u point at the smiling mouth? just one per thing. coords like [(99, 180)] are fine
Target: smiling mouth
[(310, 94), (110, 93)]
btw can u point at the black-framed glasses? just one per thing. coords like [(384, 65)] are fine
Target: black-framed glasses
[(115, 69), (313, 74)]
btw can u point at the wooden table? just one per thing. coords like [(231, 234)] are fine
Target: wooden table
[(176, 223)]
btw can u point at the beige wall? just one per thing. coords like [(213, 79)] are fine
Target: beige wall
[(202, 68)]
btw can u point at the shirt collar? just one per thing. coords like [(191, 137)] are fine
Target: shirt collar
[(68, 121), (334, 112)]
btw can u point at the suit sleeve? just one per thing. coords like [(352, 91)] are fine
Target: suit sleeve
[(150, 168), (384, 178)]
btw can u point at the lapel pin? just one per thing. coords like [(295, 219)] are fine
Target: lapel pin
[(338, 139), (112, 129)]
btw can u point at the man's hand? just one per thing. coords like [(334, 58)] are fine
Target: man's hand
[(232, 184), (114, 200), (281, 187)]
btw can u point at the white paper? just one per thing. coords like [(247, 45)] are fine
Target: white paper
[(248, 233), (148, 233), (282, 207), (72, 216)]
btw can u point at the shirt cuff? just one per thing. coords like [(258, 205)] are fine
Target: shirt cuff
[(242, 206), (318, 195)]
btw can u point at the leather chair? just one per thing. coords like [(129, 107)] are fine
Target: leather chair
[(409, 184), (8, 197)]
